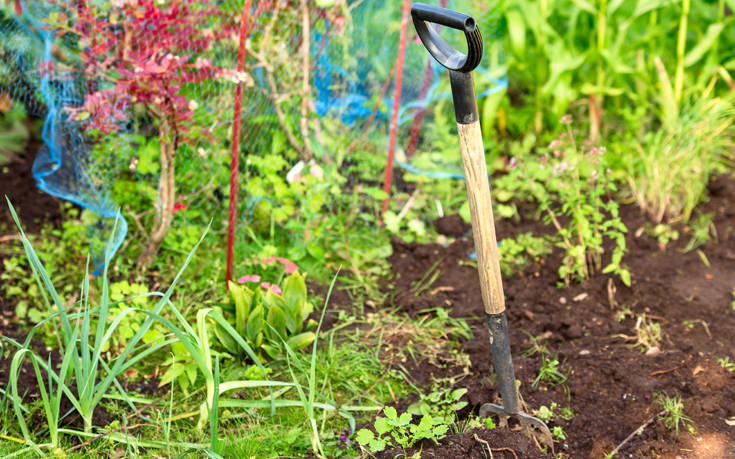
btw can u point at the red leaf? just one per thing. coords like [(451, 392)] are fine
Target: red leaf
[(18, 8)]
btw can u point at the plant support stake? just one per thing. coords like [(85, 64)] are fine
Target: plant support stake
[(396, 102), (236, 121)]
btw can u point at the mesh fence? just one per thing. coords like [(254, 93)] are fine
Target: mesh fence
[(120, 81)]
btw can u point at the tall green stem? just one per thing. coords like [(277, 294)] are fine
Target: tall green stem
[(680, 49)]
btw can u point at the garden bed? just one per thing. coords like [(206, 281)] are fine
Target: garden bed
[(611, 386)]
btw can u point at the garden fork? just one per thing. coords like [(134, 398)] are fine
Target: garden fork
[(478, 190)]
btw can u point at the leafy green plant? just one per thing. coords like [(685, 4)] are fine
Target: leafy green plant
[(574, 181), (673, 416), (393, 430), (558, 433), (549, 372), (442, 403), (726, 364), (518, 251), (13, 132), (703, 231), (265, 319), (60, 257), (81, 350), (690, 149)]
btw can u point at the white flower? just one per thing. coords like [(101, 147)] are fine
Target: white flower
[(193, 105)]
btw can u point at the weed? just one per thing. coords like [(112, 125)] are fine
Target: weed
[(442, 403), (673, 415), (624, 312), (518, 251), (703, 231), (558, 433), (549, 372), (688, 149), (663, 233), (489, 423), (726, 364), (427, 280), (399, 430)]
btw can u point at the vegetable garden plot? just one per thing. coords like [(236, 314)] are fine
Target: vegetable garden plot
[(614, 373)]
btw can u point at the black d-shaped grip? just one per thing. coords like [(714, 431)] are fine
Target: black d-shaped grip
[(440, 49)]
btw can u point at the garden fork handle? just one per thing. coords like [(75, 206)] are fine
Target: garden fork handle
[(470, 138)]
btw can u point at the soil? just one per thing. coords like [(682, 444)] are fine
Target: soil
[(611, 386), (34, 207)]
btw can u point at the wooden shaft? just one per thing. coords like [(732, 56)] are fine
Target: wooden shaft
[(481, 210)]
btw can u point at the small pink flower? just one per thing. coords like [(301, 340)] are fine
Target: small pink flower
[(248, 278), (290, 265), (265, 285), (133, 164), (316, 171), (593, 176), (179, 206), (557, 153), (513, 163), (556, 143), (275, 289), (566, 119)]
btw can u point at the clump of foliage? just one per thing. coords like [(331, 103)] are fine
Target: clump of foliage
[(394, 430), (673, 413), (689, 149), (574, 181), (516, 252), (13, 132), (267, 319)]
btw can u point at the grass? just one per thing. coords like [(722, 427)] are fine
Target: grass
[(674, 416)]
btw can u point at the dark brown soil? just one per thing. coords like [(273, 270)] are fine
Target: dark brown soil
[(611, 385), (34, 207)]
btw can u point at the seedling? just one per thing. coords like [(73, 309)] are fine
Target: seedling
[(489, 423), (726, 364), (549, 372), (673, 416), (647, 335), (624, 312), (442, 403), (398, 430), (558, 433)]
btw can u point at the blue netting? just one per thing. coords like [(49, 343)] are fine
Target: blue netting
[(352, 59)]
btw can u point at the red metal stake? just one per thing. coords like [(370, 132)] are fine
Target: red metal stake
[(396, 102), (236, 121)]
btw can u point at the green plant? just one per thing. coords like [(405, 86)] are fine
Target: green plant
[(690, 148), (703, 231), (442, 403), (549, 372), (265, 319), (399, 430), (673, 416), (518, 251), (558, 433), (726, 364), (489, 423), (663, 233), (575, 181), (81, 350), (13, 132)]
